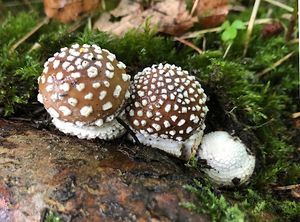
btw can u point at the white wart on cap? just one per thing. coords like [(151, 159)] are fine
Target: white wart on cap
[(85, 87), (230, 161), (167, 109)]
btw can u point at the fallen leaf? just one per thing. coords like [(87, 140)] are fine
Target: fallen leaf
[(69, 10), (272, 29), (167, 16), (125, 14), (211, 12), (172, 17)]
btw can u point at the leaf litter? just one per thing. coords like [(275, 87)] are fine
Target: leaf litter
[(167, 16)]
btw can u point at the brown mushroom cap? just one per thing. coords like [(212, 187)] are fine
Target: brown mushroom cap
[(83, 84), (167, 103)]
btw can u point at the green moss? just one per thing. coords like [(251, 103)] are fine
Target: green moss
[(14, 27), (135, 49), (52, 217), (212, 204), (18, 72)]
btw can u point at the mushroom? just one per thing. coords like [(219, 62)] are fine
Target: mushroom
[(84, 89), (167, 109), (230, 162)]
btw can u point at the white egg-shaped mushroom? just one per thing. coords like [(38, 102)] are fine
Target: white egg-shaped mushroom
[(84, 88), (168, 110), (230, 162)]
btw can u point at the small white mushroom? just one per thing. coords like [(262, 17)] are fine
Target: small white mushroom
[(230, 162)]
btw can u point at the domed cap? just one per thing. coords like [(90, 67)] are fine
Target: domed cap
[(229, 159), (83, 84), (167, 103)]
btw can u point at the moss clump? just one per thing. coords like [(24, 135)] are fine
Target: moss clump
[(52, 217), (215, 205), (18, 71)]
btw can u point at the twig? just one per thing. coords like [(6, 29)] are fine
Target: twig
[(269, 12), (261, 125), (18, 3), (20, 119), (35, 46), (25, 37), (274, 65), (236, 8), (292, 23), (250, 25), (227, 50), (294, 41), (89, 23), (194, 7), (201, 32), (204, 44), (218, 29), (295, 194), (296, 115), (280, 5), (129, 130), (289, 187), (103, 5), (189, 44)]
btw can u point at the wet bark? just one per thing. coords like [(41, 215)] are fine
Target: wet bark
[(83, 180)]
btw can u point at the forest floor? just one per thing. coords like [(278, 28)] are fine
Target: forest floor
[(252, 83)]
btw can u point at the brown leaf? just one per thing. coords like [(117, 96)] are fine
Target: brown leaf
[(169, 17), (272, 29), (68, 10), (211, 12), (124, 12)]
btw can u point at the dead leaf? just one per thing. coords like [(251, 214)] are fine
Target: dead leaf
[(69, 10), (172, 17), (211, 12), (272, 29), (168, 16), (124, 13)]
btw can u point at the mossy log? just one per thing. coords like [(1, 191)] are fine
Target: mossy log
[(83, 180)]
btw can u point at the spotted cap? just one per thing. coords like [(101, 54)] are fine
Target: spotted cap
[(83, 84), (167, 103)]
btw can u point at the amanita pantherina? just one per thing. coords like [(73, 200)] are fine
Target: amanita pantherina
[(167, 109), (84, 88), (230, 161)]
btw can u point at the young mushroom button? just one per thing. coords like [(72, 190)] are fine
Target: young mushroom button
[(230, 162), (167, 109), (84, 88)]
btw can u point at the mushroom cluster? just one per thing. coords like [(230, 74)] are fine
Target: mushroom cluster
[(84, 88), (168, 109), (230, 162)]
